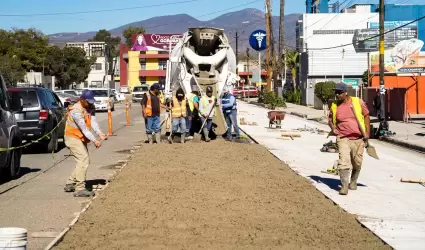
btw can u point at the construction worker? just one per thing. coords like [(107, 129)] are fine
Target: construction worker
[(77, 136), (178, 115), (228, 103), (206, 105), (350, 122), (151, 111), (192, 113)]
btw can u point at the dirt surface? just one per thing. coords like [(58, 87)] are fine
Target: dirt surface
[(220, 196)]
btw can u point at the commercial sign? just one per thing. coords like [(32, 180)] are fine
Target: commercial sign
[(391, 38), (257, 40), (353, 82), (403, 49), (158, 42)]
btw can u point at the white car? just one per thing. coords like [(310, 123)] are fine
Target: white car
[(71, 99), (125, 90), (68, 91), (101, 97), (139, 91)]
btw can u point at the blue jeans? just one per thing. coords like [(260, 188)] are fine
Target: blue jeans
[(188, 124), (231, 119), (208, 124), (153, 124), (179, 123)]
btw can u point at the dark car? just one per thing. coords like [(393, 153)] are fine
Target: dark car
[(10, 137), (42, 112)]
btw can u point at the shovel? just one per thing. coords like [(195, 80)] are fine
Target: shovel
[(371, 151), (197, 136)]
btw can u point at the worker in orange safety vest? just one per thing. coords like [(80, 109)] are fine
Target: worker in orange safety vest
[(77, 135)]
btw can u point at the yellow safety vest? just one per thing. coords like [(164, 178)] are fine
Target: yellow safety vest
[(178, 110), (190, 97), (357, 113), (206, 103)]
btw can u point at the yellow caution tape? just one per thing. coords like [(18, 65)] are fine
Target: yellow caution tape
[(34, 141)]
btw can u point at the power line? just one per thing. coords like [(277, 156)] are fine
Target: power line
[(97, 11), (372, 37)]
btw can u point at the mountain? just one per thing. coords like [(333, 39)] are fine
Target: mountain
[(243, 21)]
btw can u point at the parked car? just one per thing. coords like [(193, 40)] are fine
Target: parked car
[(101, 97), (67, 98), (10, 160), (247, 91), (125, 90), (139, 91), (119, 97), (42, 112), (68, 91)]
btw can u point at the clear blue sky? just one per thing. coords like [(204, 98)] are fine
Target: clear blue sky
[(109, 20)]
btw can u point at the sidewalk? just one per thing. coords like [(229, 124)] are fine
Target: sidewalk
[(410, 135), (392, 210)]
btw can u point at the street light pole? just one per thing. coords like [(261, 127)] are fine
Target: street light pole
[(383, 126)]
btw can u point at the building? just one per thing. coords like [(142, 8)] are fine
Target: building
[(322, 6), (146, 61), (331, 31), (97, 74), (249, 70)]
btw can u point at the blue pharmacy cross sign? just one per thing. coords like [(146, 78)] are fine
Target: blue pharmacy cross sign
[(257, 40)]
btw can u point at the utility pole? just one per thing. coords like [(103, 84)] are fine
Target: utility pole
[(247, 66), (237, 53), (281, 37), (269, 44), (383, 123), (342, 65)]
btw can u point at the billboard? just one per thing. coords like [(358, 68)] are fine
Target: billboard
[(156, 42), (403, 50)]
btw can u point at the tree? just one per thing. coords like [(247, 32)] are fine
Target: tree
[(365, 77), (11, 70), (293, 63), (68, 65), (325, 92), (127, 33)]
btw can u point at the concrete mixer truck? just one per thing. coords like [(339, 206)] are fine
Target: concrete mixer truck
[(203, 57)]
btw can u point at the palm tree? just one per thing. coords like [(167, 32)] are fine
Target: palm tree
[(293, 63)]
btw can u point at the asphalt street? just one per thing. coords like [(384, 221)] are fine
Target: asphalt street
[(36, 201)]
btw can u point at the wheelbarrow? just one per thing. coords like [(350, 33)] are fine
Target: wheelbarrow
[(275, 118)]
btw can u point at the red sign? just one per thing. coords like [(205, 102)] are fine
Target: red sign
[(146, 42)]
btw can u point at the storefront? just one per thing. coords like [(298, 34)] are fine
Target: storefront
[(146, 61)]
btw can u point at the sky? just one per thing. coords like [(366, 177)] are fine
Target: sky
[(27, 11)]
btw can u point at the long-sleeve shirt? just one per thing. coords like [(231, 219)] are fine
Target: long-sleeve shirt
[(78, 118), (228, 105), (205, 105)]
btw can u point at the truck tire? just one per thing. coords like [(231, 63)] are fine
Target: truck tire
[(53, 144), (15, 161)]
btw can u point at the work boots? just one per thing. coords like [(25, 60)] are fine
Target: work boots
[(206, 133), (345, 179), (158, 137), (150, 138), (354, 176), (170, 139)]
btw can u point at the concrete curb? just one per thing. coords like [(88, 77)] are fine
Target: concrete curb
[(123, 163), (404, 144)]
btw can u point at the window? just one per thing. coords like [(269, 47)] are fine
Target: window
[(50, 99), (142, 64), (100, 93), (86, 84), (141, 89), (97, 66), (97, 51), (162, 65), (96, 84), (29, 98), (161, 80), (142, 79)]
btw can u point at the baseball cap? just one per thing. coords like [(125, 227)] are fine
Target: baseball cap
[(88, 95), (180, 92), (341, 87), (209, 89), (156, 86)]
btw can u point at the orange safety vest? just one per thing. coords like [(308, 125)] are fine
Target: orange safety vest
[(178, 110), (72, 129), (148, 108)]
